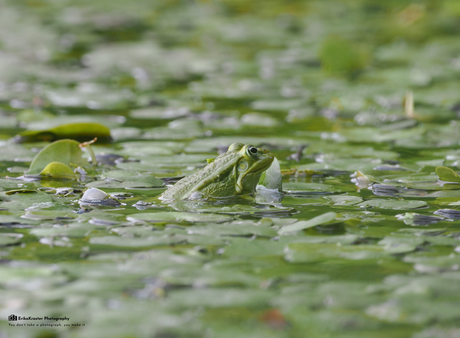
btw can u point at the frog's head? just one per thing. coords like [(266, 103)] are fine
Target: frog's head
[(251, 163), (235, 172)]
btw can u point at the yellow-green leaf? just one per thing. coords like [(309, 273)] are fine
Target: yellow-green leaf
[(76, 131), (447, 174), (58, 170)]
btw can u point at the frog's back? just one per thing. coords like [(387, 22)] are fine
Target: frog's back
[(213, 180)]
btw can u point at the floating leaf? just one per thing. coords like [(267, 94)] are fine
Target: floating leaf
[(447, 174), (233, 229), (242, 247), (401, 243), (10, 238), (75, 131), (29, 115), (392, 204), (313, 252), (160, 217), (137, 242), (301, 188), (338, 55), (301, 225), (258, 119), (344, 200), (128, 180), (220, 297)]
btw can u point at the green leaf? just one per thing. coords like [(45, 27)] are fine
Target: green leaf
[(170, 216), (138, 242), (30, 115), (243, 247), (344, 200), (272, 178), (127, 180), (392, 204), (397, 244), (58, 170), (301, 188), (10, 238), (314, 252), (76, 131), (233, 229), (301, 225), (447, 174), (220, 297), (339, 55), (67, 152)]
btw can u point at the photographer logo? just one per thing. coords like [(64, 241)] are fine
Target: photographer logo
[(12, 318)]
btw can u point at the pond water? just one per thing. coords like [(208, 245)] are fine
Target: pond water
[(358, 101)]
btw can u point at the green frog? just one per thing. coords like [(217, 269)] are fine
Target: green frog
[(235, 172)]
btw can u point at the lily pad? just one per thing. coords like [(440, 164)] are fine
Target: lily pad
[(162, 217), (301, 225), (76, 131), (233, 229), (239, 247), (401, 244), (138, 242), (10, 238), (239, 209), (447, 174), (220, 297), (392, 204), (313, 188), (339, 55), (129, 182), (311, 252), (344, 200)]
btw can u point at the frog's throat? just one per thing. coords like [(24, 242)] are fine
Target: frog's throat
[(239, 182), (239, 185)]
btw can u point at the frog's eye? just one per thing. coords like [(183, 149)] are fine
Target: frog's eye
[(252, 151)]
